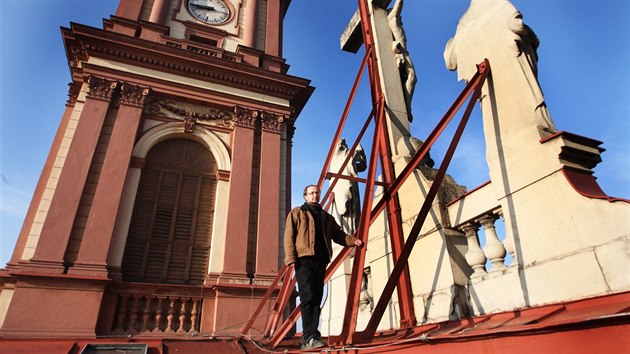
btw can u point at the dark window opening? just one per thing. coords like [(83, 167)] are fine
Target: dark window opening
[(208, 41)]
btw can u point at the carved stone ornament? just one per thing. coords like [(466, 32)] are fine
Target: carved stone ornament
[(101, 89), (290, 131), (189, 123), (188, 112), (73, 92), (271, 122), (133, 95), (245, 117)]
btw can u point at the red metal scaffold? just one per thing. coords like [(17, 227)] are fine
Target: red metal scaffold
[(399, 278)]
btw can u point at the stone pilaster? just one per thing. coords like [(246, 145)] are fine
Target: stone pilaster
[(55, 234), (97, 239)]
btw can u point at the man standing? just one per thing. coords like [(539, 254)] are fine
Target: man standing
[(307, 244)]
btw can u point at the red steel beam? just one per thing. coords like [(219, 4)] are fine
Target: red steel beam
[(401, 264), (283, 298), (342, 123), (394, 221), (379, 148), (285, 269), (354, 288), (295, 314), (475, 81), (350, 154), (330, 175), (474, 84)]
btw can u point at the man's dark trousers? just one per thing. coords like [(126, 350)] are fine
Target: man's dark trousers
[(310, 278)]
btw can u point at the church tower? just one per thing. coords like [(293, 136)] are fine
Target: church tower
[(160, 206)]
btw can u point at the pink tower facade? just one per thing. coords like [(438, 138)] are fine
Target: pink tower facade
[(158, 212)]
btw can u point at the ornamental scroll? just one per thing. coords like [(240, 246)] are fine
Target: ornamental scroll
[(189, 113), (192, 114), (101, 89), (245, 117), (133, 95), (271, 122)]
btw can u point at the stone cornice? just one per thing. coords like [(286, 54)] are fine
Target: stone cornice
[(83, 42)]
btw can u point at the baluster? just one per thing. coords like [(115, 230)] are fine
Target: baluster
[(494, 250), (133, 318), (122, 313), (158, 314), (475, 257), (193, 316), (146, 314), (508, 243), (182, 316), (169, 317)]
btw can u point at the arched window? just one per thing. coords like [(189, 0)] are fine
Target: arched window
[(169, 235)]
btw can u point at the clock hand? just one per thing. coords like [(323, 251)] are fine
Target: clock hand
[(209, 8), (206, 7)]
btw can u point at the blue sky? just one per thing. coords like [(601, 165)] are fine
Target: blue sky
[(583, 71)]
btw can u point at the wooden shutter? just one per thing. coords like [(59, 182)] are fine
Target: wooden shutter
[(169, 235)]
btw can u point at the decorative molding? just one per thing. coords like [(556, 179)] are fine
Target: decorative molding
[(227, 77), (271, 122), (187, 112), (207, 137), (290, 130), (101, 89), (74, 88), (189, 123), (245, 117), (77, 55), (172, 55), (133, 95)]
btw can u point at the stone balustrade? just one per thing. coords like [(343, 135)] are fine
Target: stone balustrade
[(473, 213), (494, 250), (145, 314)]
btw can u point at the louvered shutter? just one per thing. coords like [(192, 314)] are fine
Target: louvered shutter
[(169, 235)]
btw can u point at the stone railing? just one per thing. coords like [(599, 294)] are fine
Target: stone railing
[(156, 312), (472, 213), (493, 251)]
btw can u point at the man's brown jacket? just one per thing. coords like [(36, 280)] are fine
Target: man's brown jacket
[(299, 234)]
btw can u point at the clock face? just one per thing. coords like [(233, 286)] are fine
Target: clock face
[(214, 12)]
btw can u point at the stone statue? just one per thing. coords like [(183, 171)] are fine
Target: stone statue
[(403, 59), (346, 207), (494, 29)]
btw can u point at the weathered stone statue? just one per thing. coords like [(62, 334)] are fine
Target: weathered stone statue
[(494, 29), (403, 59), (347, 205)]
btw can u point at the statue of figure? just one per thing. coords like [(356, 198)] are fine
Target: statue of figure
[(403, 59), (366, 299), (346, 207), (494, 29)]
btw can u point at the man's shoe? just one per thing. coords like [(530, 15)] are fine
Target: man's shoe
[(313, 343)]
